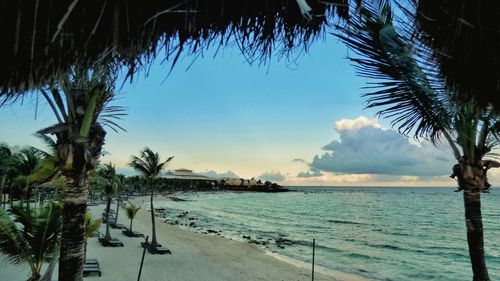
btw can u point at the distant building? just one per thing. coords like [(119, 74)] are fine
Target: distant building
[(185, 178), (186, 174)]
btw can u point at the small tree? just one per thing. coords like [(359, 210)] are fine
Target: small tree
[(131, 210), (91, 227), (106, 179), (31, 236), (26, 162)]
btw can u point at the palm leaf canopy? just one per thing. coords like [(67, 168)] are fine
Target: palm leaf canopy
[(148, 164), (26, 161), (409, 93), (6, 160), (105, 179), (43, 39), (131, 210), (406, 84), (30, 235), (81, 86), (464, 37)]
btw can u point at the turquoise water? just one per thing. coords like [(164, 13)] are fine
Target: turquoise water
[(381, 233)]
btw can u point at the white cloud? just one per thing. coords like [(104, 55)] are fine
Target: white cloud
[(310, 174), (366, 148), (353, 124), (298, 160), (271, 176)]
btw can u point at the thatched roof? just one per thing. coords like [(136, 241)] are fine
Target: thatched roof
[(466, 37), (41, 39)]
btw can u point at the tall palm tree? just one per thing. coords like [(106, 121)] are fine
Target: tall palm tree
[(47, 170), (31, 236), (107, 180), (131, 211), (81, 104), (149, 166), (26, 163), (409, 88), (120, 188)]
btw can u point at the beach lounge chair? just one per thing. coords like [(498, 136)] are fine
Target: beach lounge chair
[(91, 261), (116, 225), (111, 218), (155, 249), (129, 233), (91, 266), (113, 242)]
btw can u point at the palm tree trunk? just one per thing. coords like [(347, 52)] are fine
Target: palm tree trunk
[(2, 185), (131, 220), (108, 207), (27, 195), (474, 224), (117, 209), (47, 276), (10, 195), (73, 232), (153, 241)]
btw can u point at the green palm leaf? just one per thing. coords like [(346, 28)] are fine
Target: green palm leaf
[(91, 225), (30, 236), (148, 164), (131, 210), (414, 101), (12, 242)]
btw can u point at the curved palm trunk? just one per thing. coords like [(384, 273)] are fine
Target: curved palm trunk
[(131, 220), (474, 224), (2, 185), (117, 209), (73, 232), (108, 207), (472, 180), (47, 276)]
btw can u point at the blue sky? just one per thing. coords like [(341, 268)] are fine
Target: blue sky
[(223, 114)]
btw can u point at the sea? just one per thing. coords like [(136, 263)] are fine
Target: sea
[(383, 233)]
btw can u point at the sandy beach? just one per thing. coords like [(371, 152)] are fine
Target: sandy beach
[(194, 256)]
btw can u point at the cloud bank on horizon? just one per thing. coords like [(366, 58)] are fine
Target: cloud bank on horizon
[(366, 148), (272, 176), (215, 174), (373, 153), (364, 153)]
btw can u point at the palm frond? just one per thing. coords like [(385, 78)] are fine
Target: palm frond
[(148, 164), (12, 242), (45, 232), (91, 225), (131, 210), (49, 142), (415, 103)]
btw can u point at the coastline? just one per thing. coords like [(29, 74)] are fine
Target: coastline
[(195, 256), (303, 268)]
